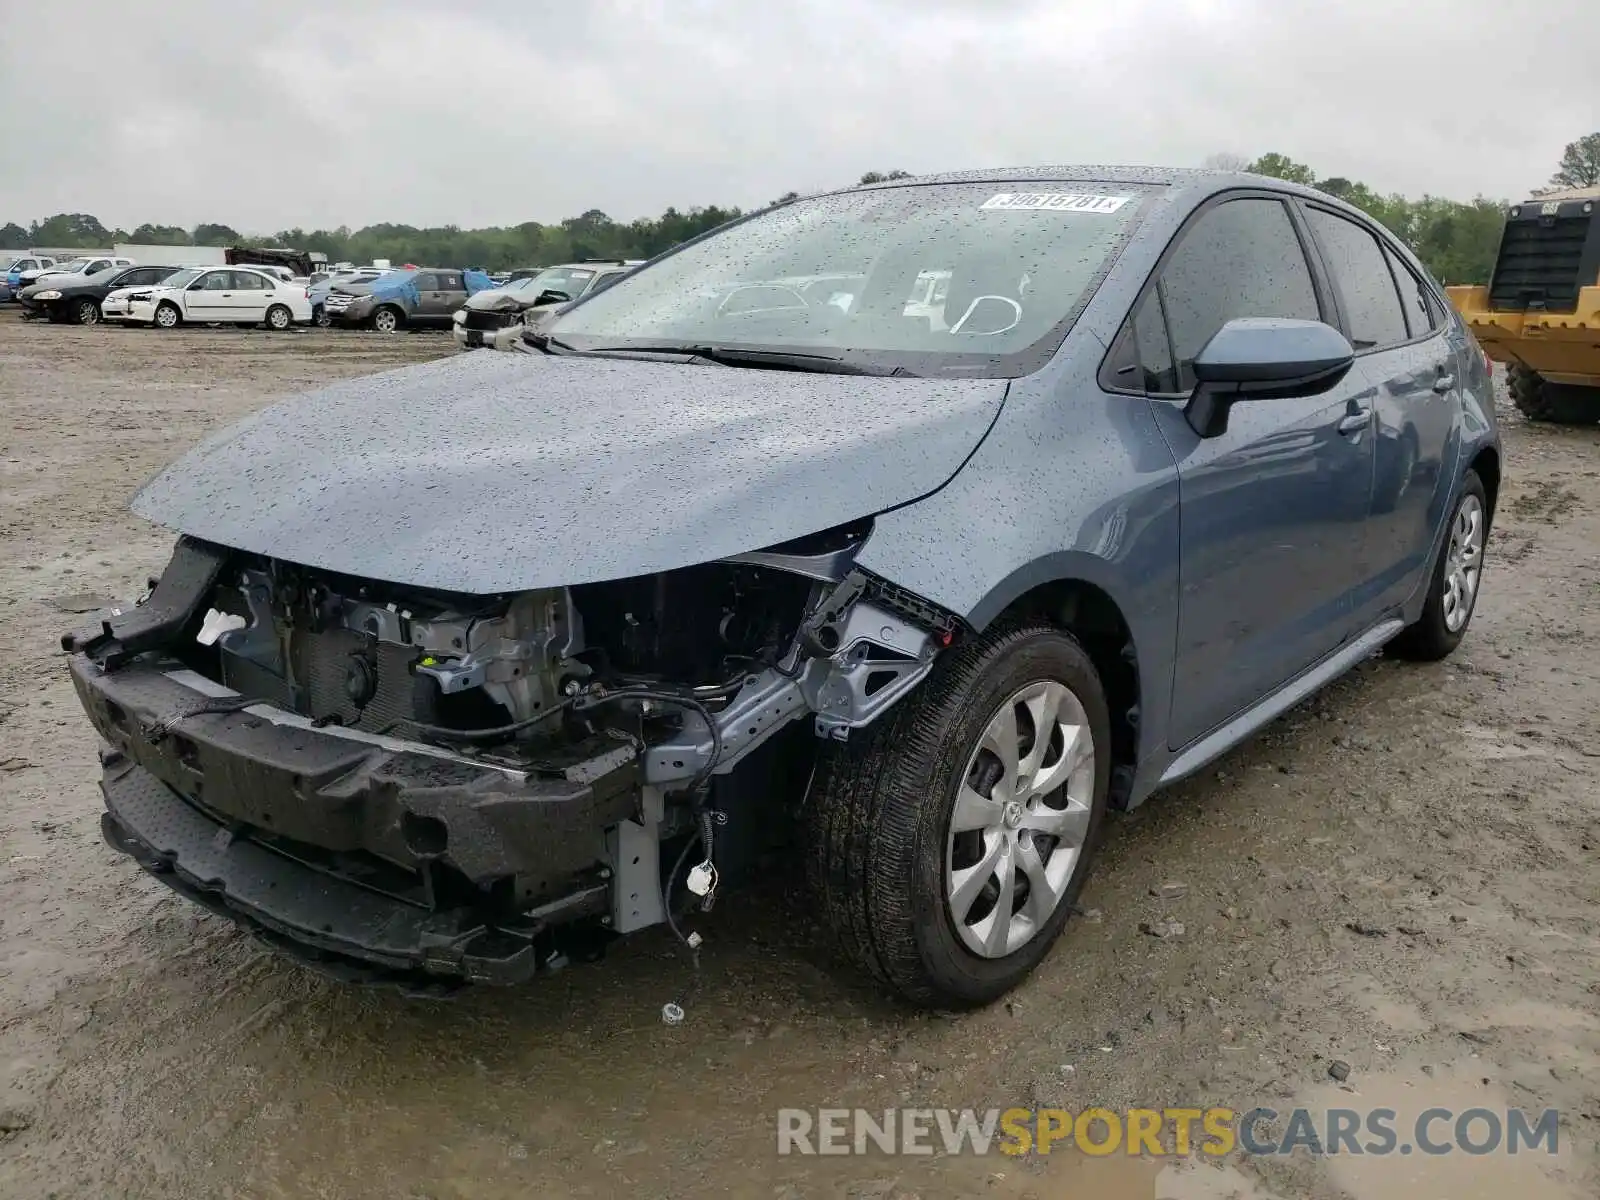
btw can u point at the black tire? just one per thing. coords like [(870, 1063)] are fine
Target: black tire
[(279, 318), (86, 311), (388, 319), (878, 815), (1556, 403), (320, 317), (172, 319), (1430, 637)]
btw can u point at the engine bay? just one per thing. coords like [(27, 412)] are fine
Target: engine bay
[(694, 667), (515, 762)]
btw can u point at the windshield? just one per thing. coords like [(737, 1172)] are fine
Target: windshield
[(74, 265), (969, 279), (181, 278), (571, 280)]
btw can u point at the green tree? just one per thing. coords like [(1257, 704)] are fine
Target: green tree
[(1580, 164), (882, 177), (72, 230), (1281, 166), (160, 235), (13, 236), (215, 235)]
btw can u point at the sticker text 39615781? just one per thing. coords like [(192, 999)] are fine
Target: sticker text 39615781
[(1055, 202)]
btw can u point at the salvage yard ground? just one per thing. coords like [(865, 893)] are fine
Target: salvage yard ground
[(1400, 875)]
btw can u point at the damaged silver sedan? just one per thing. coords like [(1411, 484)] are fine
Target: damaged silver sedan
[(855, 523)]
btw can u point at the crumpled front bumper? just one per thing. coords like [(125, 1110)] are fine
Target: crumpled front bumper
[(336, 847)]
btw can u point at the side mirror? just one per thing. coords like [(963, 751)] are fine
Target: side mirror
[(1261, 358)]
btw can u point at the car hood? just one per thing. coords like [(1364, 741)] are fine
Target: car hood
[(490, 297), (500, 472), (65, 284)]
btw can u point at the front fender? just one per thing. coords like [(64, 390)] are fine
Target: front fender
[(1072, 484)]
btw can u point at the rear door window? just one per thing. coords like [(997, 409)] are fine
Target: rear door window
[(1372, 308), (1421, 316), (1241, 258), (450, 282)]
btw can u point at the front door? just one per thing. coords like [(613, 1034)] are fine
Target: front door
[(209, 297), (1272, 511), (430, 305)]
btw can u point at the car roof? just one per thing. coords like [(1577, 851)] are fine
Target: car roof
[(1200, 180)]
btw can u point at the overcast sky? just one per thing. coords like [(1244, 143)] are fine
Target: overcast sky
[(266, 116)]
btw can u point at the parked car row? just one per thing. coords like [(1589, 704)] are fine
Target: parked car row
[(169, 295), (482, 310)]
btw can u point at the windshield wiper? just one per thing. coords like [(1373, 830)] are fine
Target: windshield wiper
[(739, 356), (547, 344)]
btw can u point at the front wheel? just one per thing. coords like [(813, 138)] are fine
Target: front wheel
[(948, 845), (386, 320), (87, 312), (1453, 585), (167, 315), (320, 317), (279, 318)]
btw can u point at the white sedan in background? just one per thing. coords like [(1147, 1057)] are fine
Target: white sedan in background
[(222, 295)]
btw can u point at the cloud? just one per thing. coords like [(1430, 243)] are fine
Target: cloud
[(272, 115)]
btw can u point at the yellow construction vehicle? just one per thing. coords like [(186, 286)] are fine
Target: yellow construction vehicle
[(1540, 314)]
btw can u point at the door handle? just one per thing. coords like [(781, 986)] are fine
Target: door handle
[(227, 295), (1444, 383), (1355, 422)]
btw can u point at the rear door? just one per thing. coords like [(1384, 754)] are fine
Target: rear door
[(1408, 361), (1272, 511), (452, 292), (251, 291)]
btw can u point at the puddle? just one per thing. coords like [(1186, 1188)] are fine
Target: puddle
[(1459, 1175)]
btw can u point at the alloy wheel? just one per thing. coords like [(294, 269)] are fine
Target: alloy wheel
[(1020, 820), (1464, 563)]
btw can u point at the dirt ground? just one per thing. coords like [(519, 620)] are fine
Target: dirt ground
[(1401, 874)]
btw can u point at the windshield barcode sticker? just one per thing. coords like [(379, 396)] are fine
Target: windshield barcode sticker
[(1055, 202)]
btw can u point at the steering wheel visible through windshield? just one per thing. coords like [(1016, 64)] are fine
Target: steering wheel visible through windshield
[(969, 279)]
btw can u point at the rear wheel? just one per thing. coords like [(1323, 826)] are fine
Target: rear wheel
[(386, 320), (1558, 403), (167, 316), (279, 318), (1453, 586), (86, 312), (949, 843)]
